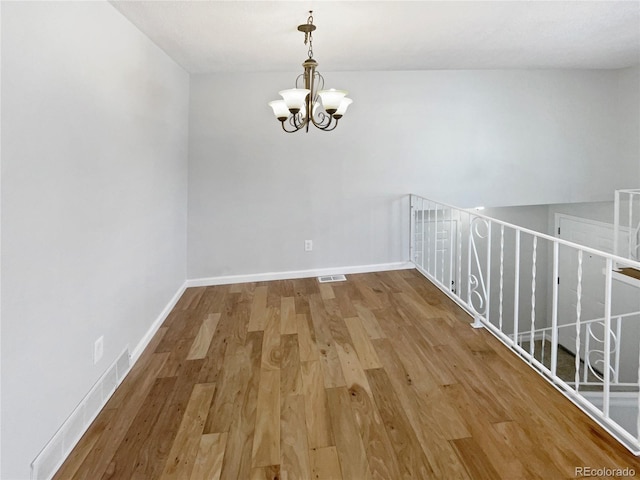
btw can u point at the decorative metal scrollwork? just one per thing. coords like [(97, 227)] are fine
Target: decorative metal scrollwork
[(478, 296), (594, 357)]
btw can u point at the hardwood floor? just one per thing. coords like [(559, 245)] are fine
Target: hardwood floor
[(378, 377)]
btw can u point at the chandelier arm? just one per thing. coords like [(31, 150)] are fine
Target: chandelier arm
[(298, 124), (327, 129), (323, 121), (282, 122)]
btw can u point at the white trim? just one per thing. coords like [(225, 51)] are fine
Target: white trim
[(618, 399), (588, 221), (262, 277), (144, 341), (56, 443), (634, 282), (59, 447)]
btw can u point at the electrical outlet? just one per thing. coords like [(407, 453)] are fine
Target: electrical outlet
[(98, 349), (308, 245)]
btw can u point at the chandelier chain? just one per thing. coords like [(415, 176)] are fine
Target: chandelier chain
[(308, 37)]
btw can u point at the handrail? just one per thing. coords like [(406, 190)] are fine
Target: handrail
[(561, 241), (587, 322)]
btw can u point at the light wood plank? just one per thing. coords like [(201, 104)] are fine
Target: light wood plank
[(411, 457), (361, 342), (288, 323), (153, 453), (380, 454), (202, 342), (238, 453), (271, 472), (266, 439), (369, 322), (306, 341), (326, 291), (352, 370), (316, 408), (420, 412), (293, 439), (236, 371), (331, 369), (351, 452), (185, 446), (126, 458), (208, 462), (325, 464), (106, 446), (485, 438), (290, 373), (76, 460), (258, 309), (271, 351), (475, 459)]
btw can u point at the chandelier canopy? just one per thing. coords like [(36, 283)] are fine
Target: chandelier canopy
[(308, 103)]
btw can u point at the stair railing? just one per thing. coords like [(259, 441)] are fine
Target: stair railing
[(502, 275), (589, 360)]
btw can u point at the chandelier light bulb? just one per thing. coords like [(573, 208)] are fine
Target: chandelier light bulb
[(280, 109), (294, 98), (344, 104), (331, 99)]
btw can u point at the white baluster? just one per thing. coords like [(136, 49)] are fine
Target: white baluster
[(533, 295), (630, 225), (516, 288), (469, 273), (488, 270), (428, 239), (412, 231), (618, 347), (451, 239), (501, 275), (435, 245), (444, 232), (616, 222), (554, 312), (423, 237), (459, 278), (607, 337), (578, 314), (638, 417)]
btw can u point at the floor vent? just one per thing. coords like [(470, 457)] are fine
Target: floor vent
[(58, 448), (332, 278)]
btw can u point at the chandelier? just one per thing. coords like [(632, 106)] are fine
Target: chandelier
[(301, 107)]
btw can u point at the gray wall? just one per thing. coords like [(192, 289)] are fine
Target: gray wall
[(468, 138), (94, 179)]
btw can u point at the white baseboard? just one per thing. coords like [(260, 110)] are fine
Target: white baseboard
[(142, 344), (58, 448), (262, 277)]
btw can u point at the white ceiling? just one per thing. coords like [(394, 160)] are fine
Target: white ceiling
[(262, 36)]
